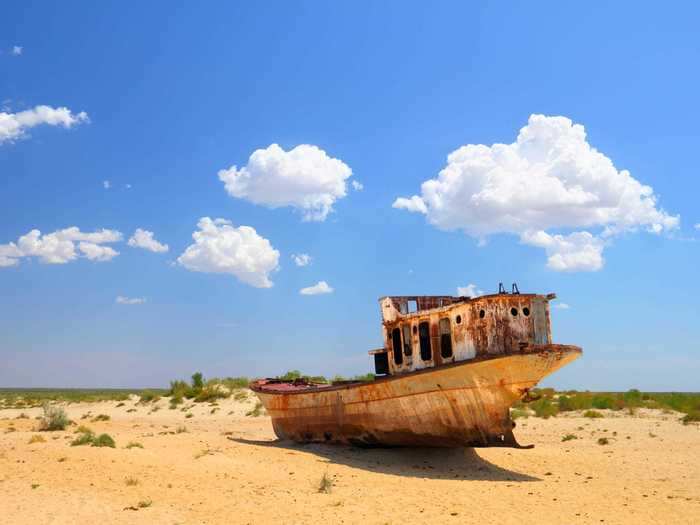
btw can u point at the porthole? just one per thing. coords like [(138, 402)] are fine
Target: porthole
[(458, 319), (482, 314), (514, 312), (526, 311)]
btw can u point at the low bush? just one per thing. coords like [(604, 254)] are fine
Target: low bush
[(592, 414), (103, 440), (544, 408), (54, 418)]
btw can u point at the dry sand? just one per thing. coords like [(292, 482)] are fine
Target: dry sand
[(228, 468)]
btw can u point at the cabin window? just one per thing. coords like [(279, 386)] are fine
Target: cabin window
[(396, 345), (407, 343), (426, 353), (412, 306), (445, 338)]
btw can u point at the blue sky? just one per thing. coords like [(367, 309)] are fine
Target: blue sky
[(173, 95)]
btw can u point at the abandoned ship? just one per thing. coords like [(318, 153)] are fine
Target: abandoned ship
[(449, 371)]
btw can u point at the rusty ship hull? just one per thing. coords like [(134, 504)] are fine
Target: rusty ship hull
[(464, 403)]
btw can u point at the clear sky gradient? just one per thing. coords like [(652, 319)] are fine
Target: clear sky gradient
[(176, 93)]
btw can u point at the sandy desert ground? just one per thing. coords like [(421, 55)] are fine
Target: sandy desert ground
[(228, 468)]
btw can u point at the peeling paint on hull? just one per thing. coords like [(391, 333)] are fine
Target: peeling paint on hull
[(460, 404)]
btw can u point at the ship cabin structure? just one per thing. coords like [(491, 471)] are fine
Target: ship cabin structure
[(430, 331)]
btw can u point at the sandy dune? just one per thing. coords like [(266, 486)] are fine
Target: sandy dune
[(228, 468)]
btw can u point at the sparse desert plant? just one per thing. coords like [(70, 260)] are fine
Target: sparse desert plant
[(131, 410), (103, 440), (189, 415), (22, 416), (85, 438), (82, 429), (603, 441), (100, 417), (691, 417), (569, 437), (54, 418), (544, 408), (517, 413), (131, 482), (36, 438), (257, 410), (181, 429), (62, 459), (326, 484), (240, 395), (35, 485), (133, 444), (145, 503), (148, 396), (213, 410), (120, 404), (592, 414)]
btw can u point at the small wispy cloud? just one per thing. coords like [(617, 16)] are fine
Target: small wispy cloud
[(106, 184), (129, 300), (320, 287), (470, 290), (562, 306), (357, 185), (144, 239), (16, 50), (697, 226), (301, 259)]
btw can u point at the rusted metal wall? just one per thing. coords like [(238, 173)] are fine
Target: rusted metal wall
[(454, 405), (488, 325)]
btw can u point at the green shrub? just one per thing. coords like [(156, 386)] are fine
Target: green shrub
[(197, 381), (256, 411), (544, 408), (133, 444), (148, 396), (103, 440), (603, 441), (100, 417), (691, 417), (569, 437), (592, 414), (36, 438), (54, 418), (326, 484), (85, 438), (517, 413)]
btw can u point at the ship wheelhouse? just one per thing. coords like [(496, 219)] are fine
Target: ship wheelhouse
[(430, 331)]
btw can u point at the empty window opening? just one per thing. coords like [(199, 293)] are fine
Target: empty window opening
[(415, 329), (513, 312), (526, 311), (458, 320), (396, 346), (445, 338), (407, 343), (412, 306), (482, 314), (426, 353)]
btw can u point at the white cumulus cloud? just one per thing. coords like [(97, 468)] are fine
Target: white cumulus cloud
[(470, 290), (14, 126), (562, 306), (305, 178), (320, 287), (301, 259), (129, 300), (220, 247), (144, 239), (61, 246), (549, 178), (16, 50)]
